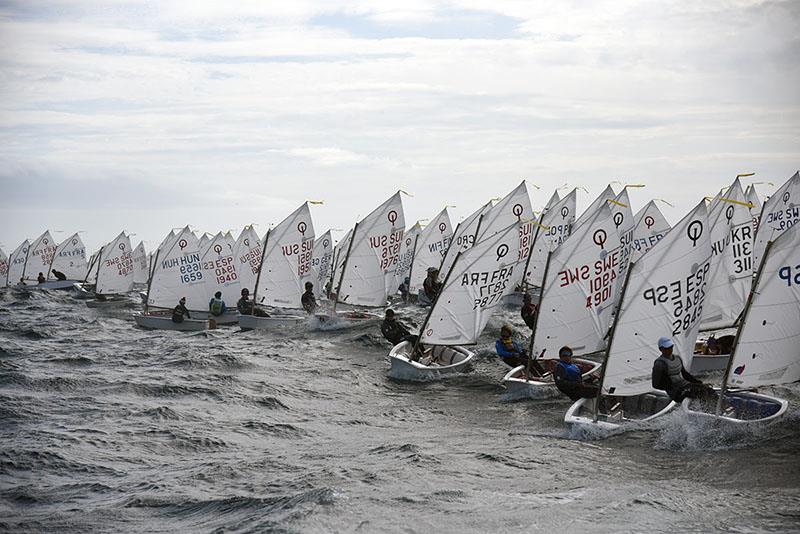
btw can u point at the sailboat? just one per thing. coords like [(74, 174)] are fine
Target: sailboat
[(577, 302), (40, 256), (322, 265), (16, 264), (472, 290), (177, 272), (3, 269), (220, 275), (141, 265), (70, 260), (248, 252), (372, 253), (662, 295), (765, 352), (555, 226), (284, 269), (114, 271), (429, 249)]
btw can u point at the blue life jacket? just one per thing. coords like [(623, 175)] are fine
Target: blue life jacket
[(572, 372)]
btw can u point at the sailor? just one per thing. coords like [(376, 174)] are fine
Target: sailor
[(569, 379), (247, 307), (512, 352), (395, 331), (179, 311), (41, 279), (528, 310), (216, 306), (431, 286), (669, 375), (59, 275), (308, 300), (404, 288)]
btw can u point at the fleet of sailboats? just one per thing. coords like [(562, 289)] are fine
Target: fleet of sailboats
[(608, 283)]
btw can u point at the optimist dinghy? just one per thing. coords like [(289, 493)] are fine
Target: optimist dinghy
[(472, 290), (765, 352), (177, 272), (519, 382), (677, 265), (70, 261)]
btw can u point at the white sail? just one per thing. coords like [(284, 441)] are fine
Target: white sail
[(70, 259), (514, 207), (578, 292), (322, 263), (374, 254), (219, 268), (432, 245), (91, 271), (622, 215), (601, 200), (651, 227), (286, 266), (205, 241), (140, 264), (755, 207), (463, 238), (781, 211), (3, 269), (767, 350), (664, 297), (40, 256), (556, 225), (407, 251), (167, 242), (16, 263), (339, 254), (479, 279), (731, 271), (248, 252), (178, 273), (115, 274)]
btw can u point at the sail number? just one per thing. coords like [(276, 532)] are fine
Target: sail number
[(488, 286), (191, 272), (684, 296), (790, 275)]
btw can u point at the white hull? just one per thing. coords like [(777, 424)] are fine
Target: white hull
[(519, 386), (229, 317), (164, 322), (54, 284), (436, 362), (740, 409), (252, 322), (630, 412)]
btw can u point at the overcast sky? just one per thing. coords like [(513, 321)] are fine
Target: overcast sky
[(145, 116)]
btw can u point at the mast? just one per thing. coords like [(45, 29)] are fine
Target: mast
[(150, 278), (25, 266), (611, 340), (261, 265), (344, 267), (538, 311), (55, 255), (530, 253), (745, 313), (97, 274)]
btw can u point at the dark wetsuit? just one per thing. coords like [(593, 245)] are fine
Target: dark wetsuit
[(515, 356), (309, 302), (59, 275), (396, 332), (569, 381), (179, 312), (431, 288), (669, 375), (245, 306), (528, 313)]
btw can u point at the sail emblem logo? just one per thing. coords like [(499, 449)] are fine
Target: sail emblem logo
[(429, 332), (121, 246), (729, 213), (392, 216), (501, 251), (408, 241), (246, 242), (301, 227), (182, 243), (618, 218), (442, 227), (739, 370), (45, 241), (786, 197), (325, 243), (74, 242), (564, 212), (649, 222), (218, 249), (517, 210), (600, 237), (694, 231)]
